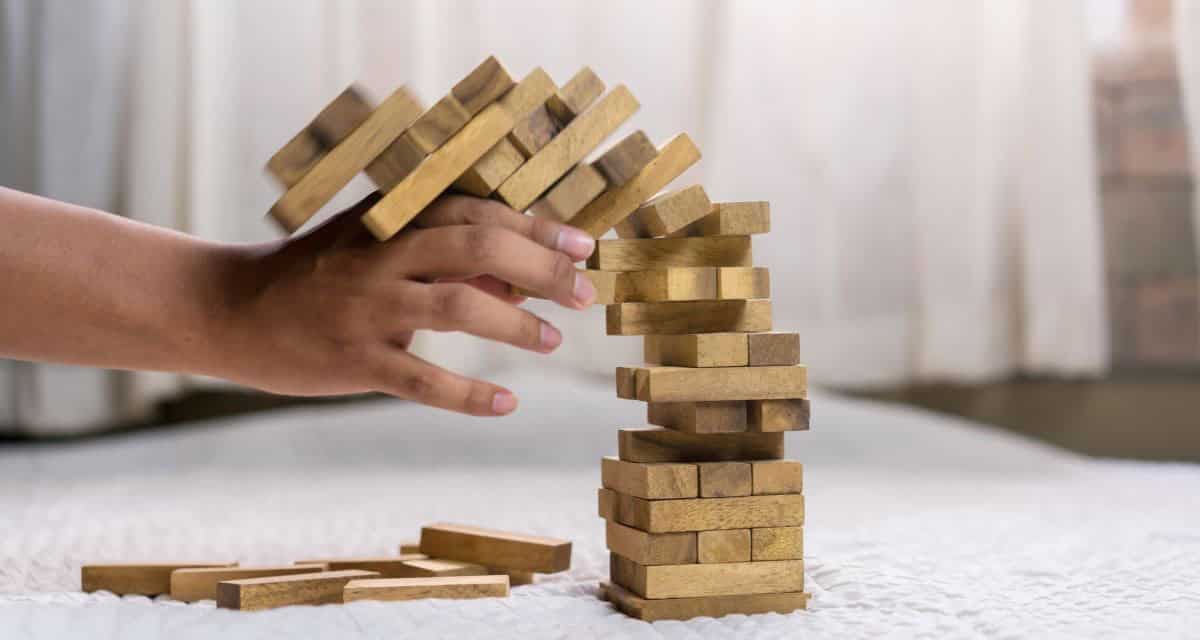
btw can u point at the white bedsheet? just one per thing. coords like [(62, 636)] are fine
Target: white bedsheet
[(918, 525)]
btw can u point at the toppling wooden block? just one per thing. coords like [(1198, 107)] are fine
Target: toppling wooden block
[(191, 585), (707, 514), (146, 579), (697, 350), (575, 96), (652, 444), (707, 606), (695, 316), (626, 159), (777, 476), (777, 543), (496, 548), (723, 545), (730, 219), (650, 480), (385, 566), (640, 254), (534, 132), (573, 192), (254, 594), (449, 588), (698, 580), (516, 577), (725, 416), (666, 213), (682, 384), (726, 479), (790, 414), (651, 548), (336, 121)]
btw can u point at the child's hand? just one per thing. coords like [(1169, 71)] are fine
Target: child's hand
[(334, 311)]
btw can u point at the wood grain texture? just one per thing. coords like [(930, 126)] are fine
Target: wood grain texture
[(534, 132), (575, 96), (773, 349), (681, 384), (254, 594), (147, 579), (394, 164), (696, 316), (614, 205), (434, 568), (696, 350), (191, 585), (666, 213), (791, 414), (626, 159), (652, 444), (438, 124), (607, 504), (726, 545), (696, 580), (484, 85), (336, 168), (641, 254), (569, 147), (725, 479), (708, 606), (447, 588), (385, 566), (494, 548), (731, 219), (740, 283), (777, 543), (573, 192), (336, 121), (492, 169), (707, 514), (726, 416), (626, 383), (667, 285), (651, 548), (777, 476), (652, 481)]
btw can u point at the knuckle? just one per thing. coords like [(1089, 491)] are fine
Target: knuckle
[(480, 243), (562, 270), (421, 387), (452, 303)]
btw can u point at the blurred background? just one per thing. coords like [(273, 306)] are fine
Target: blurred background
[(985, 208)]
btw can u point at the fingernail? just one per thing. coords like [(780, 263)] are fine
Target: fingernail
[(550, 337), (585, 291), (575, 243), (503, 402)]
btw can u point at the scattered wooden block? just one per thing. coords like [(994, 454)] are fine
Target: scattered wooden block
[(491, 171), (336, 168), (777, 543), (534, 132), (484, 85), (776, 476), (725, 545), (773, 349), (667, 285), (340, 117), (696, 350), (626, 159), (651, 548), (436, 568), (650, 480), (570, 146), (573, 192), (727, 416), (385, 566), (448, 588), (410, 547), (731, 219), (640, 254), (681, 384), (190, 585), (792, 414), (496, 548), (695, 580), (615, 204), (626, 385), (253, 594), (575, 96), (516, 577), (652, 444), (725, 479), (146, 579), (666, 213), (741, 283), (708, 606), (695, 316), (706, 514)]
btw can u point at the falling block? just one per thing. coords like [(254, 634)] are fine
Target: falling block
[(682, 384), (626, 159), (439, 122), (385, 566), (696, 350), (724, 545), (707, 514), (534, 132), (740, 283), (706, 606), (640, 254), (650, 548), (656, 480), (491, 171), (725, 479), (696, 580), (652, 444), (726, 416), (494, 548), (773, 349), (775, 415), (448, 588), (777, 543), (666, 213), (776, 476), (731, 219), (146, 579), (340, 117), (573, 192), (695, 316), (253, 594), (190, 585), (575, 96), (484, 85), (433, 568)]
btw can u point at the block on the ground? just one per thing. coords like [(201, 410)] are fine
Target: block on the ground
[(146, 579), (726, 416), (626, 159), (723, 545), (495, 548), (718, 579), (731, 219), (651, 548), (707, 606), (653, 444), (696, 350), (606, 503), (575, 96), (725, 479), (655, 480), (666, 213), (254, 594), (438, 567), (683, 384), (778, 476), (791, 414), (447, 588), (640, 254), (773, 349), (740, 283), (777, 543), (573, 192), (191, 585)]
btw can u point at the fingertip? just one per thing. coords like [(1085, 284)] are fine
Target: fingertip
[(575, 243), (503, 403)]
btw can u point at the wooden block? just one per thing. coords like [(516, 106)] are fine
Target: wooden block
[(534, 132), (791, 414), (617, 203), (340, 117), (725, 479), (434, 568), (667, 285), (492, 169), (727, 416), (696, 316), (336, 168), (652, 444), (773, 349), (573, 192), (570, 146), (726, 545), (666, 213), (708, 606), (696, 350), (696, 580), (147, 579), (656, 480), (607, 500), (707, 514), (516, 577), (777, 543), (253, 594), (575, 96), (190, 585), (395, 163), (385, 566), (680, 384), (731, 219), (438, 124), (496, 548), (651, 548), (741, 283), (605, 283), (777, 476), (640, 254), (410, 546), (626, 159), (626, 384), (447, 588), (484, 85)]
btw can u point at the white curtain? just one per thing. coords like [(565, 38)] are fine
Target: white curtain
[(929, 164)]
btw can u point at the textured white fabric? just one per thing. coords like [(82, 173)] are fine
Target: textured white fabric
[(917, 525)]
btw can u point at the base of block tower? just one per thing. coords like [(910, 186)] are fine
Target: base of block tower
[(709, 606)]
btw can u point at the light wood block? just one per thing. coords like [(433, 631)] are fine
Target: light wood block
[(534, 132), (727, 416), (640, 254), (494, 548), (681, 384), (666, 213), (395, 163), (253, 594), (653, 444), (741, 283), (617, 203), (434, 568), (605, 283), (791, 414), (491, 171), (336, 168), (410, 546), (626, 159), (447, 588), (385, 566), (607, 500), (626, 383), (575, 141), (340, 117), (650, 480), (696, 350), (667, 285), (708, 606), (516, 577), (726, 545), (696, 580), (484, 85), (651, 548), (725, 479), (777, 543), (438, 124), (190, 585), (575, 96), (777, 476), (731, 219), (773, 349), (695, 316), (707, 514), (147, 579), (573, 192)]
